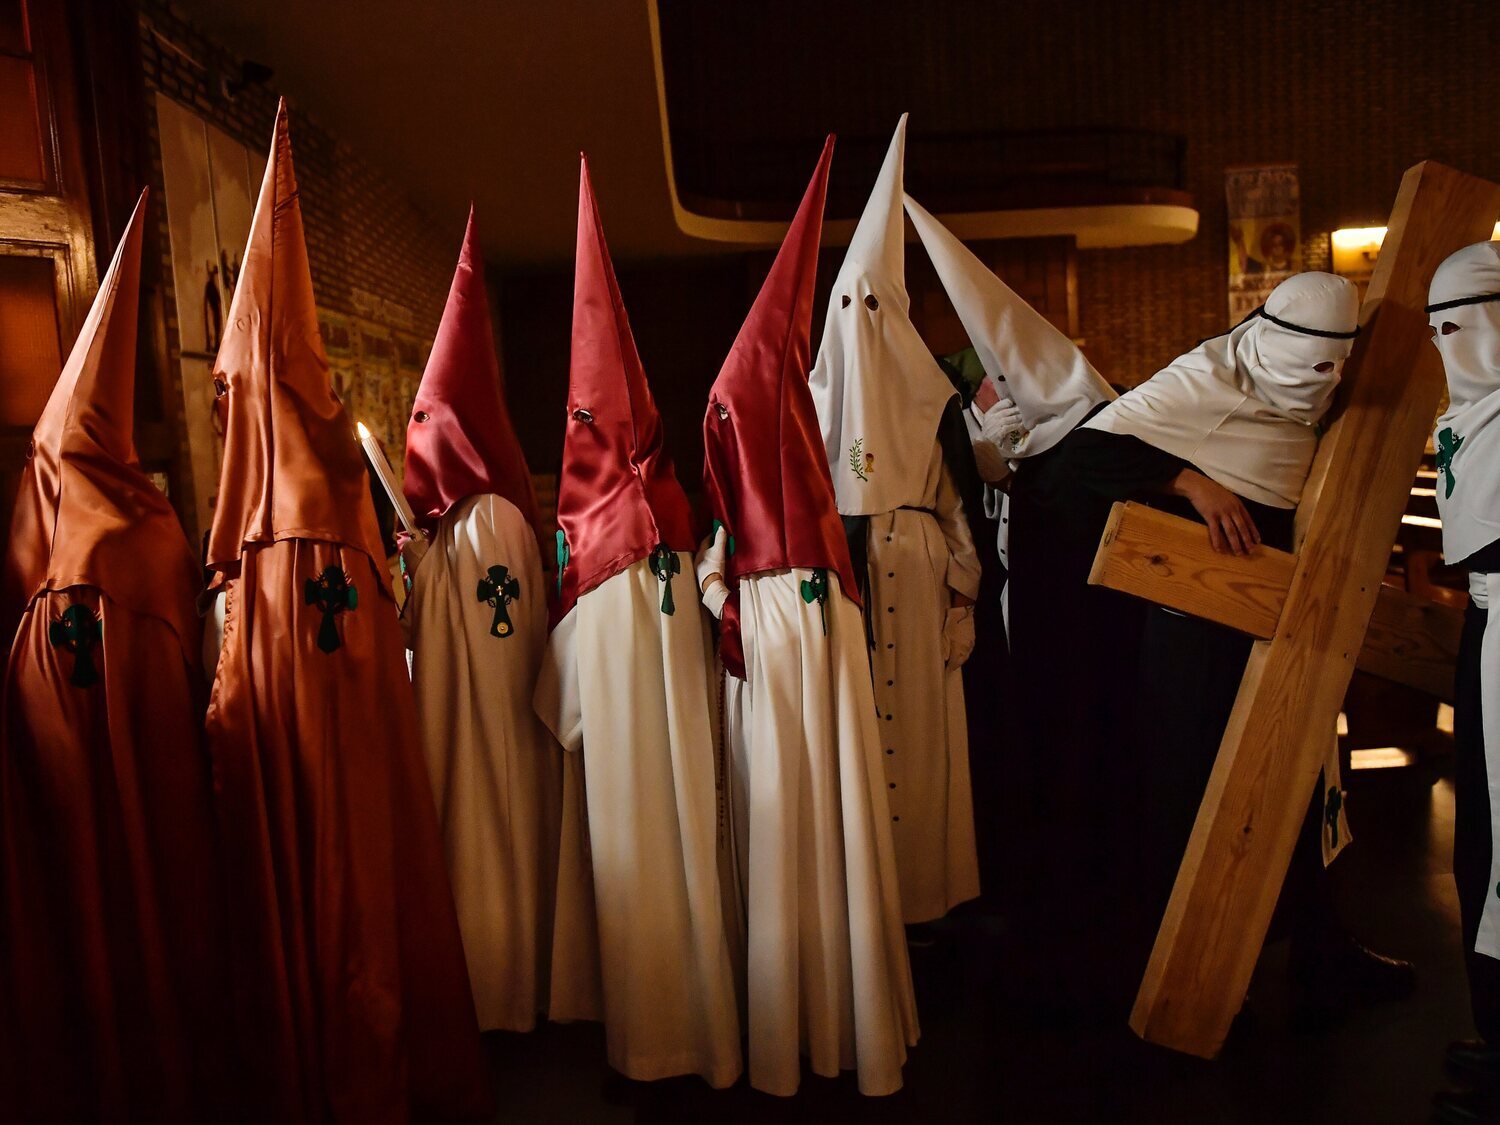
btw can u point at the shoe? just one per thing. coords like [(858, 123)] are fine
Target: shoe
[(1465, 1107), (1339, 974), (1474, 1061)]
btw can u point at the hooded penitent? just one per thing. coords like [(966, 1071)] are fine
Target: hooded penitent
[(1244, 407), (880, 397), (107, 888), (765, 475), (477, 624), (1034, 364), (879, 392), (618, 498), (351, 998), (1464, 310), (625, 687), (460, 441), (827, 974)]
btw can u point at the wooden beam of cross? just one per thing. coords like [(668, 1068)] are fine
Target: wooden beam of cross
[(1294, 684), (1168, 560)]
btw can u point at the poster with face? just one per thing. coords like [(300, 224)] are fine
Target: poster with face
[(1265, 233)]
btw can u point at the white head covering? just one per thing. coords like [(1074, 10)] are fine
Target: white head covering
[(1465, 293), (1035, 365), (879, 392), (1243, 407), (1468, 437)]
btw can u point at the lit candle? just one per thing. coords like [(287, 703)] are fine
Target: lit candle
[(387, 478)]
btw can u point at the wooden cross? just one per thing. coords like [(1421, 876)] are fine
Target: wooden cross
[(1311, 612)]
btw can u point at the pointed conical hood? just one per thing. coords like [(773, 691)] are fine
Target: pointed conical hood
[(292, 468), (86, 515), (765, 475), (460, 441), (618, 498), (1038, 367), (880, 394)]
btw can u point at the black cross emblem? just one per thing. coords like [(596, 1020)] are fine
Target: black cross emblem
[(332, 593), (78, 631), (499, 590), (664, 564)]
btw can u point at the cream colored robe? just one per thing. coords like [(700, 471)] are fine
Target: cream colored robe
[(918, 559), (496, 771), (628, 688), (827, 969)]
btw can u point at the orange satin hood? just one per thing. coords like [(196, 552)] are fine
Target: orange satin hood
[(292, 467), (86, 514), (618, 497)]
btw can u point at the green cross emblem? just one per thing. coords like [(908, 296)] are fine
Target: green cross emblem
[(729, 542), (664, 564), (815, 589), (78, 631), (332, 593), (563, 555), (1331, 808), (1448, 443), (499, 590)]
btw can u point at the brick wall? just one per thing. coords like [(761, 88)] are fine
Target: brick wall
[(374, 255)]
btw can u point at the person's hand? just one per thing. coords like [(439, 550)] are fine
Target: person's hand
[(710, 571), (1230, 528), (413, 550), (958, 635), (1003, 427)]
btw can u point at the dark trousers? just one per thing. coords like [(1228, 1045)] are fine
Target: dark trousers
[(1472, 826)]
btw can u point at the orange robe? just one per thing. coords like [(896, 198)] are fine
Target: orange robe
[(351, 996), (349, 974), (110, 947)]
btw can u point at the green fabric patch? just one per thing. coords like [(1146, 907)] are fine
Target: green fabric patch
[(332, 593), (664, 564), (78, 631)]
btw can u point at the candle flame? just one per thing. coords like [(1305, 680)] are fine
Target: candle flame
[(364, 431)]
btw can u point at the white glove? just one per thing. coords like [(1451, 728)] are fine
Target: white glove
[(710, 571), (958, 635), (1003, 427)]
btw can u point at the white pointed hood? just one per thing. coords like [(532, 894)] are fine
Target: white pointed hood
[(1244, 407), (1035, 365), (879, 392), (1465, 295)]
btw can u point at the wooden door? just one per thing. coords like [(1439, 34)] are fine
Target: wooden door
[(47, 271)]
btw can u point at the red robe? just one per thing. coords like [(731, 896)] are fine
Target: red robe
[(351, 996), (110, 952)]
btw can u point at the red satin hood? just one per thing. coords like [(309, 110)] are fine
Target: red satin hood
[(618, 497), (292, 467), (766, 474), (86, 514), (460, 441)]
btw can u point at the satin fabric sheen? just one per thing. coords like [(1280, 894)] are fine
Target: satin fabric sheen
[(293, 466), (351, 998), (765, 475), (110, 953), (618, 497), (460, 441)]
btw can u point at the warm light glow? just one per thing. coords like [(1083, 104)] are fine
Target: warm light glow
[(1381, 758), (1424, 492), (1445, 718), (1422, 521), (1495, 234), (364, 431), (1358, 238)]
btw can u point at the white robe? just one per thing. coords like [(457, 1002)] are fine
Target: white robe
[(628, 687), (496, 772), (827, 966), (918, 559)]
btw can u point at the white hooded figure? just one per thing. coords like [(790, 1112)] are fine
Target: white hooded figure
[(1043, 384), (880, 397), (1465, 317), (1244, 407)]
